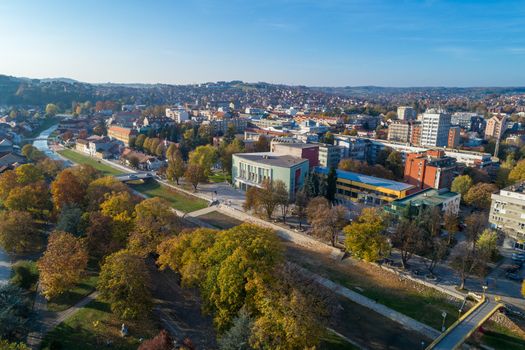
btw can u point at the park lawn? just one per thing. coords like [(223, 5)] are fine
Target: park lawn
[(94, 327), (500, 338), (178, 200), (73, 296), (219, 220), (95, 163), (423, 304), (332, 341), (219, 177)]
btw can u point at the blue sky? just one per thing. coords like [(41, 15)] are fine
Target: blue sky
[(310, 42)]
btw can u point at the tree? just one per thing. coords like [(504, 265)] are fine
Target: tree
[(326, 221), (461, 184), (301, 202), (311, 185), (124, 283), (204, 156), (14, 312), (517, 174), (51, 109), (364, 236), (139, 141), (67, 190), (99, 236), (265, 199), (226, 153), (229, 135), (98, 190), (8, 181), (238, 336), (479, 195), (154, 221), (262, 144), (27, 174), (487, 244), (18, 232), (63, 264), (119, 207), (283, 200), (50, 168), (195, 174), (451, 223), (409, 239), (134, 162), (394, 163), (475, 223), (329, 138), (5, 345), (176, 166), (33, 198), (331, 185), (162, 341), (69, 220)]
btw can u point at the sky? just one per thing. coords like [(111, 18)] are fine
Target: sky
[(300, 42)]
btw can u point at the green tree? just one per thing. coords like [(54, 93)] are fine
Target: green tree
[(479, 195), (176, 166), (461, 184), (14, 312), (331, 185), (124, 282), (394, 163), (28, 173), (51, 109), (238, 336), (364, 236), (139, 142), (204, 156), (18, 232), (69, 220), (517, 174)]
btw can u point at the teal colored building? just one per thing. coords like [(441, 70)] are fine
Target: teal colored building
[(251, 169)]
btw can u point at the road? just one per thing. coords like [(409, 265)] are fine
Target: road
[(457, 335)]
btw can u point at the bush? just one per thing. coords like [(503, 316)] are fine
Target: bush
[(25, 274)]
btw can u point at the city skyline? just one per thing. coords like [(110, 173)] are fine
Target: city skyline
[(333, 43)]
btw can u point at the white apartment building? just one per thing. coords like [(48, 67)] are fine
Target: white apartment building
[(406, 113), (507, 211), (435, 128), (180, 115)]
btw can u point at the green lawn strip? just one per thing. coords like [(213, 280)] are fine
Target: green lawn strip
[(501, 338), (178, 200), (95, 163), (96, 327), (73, 296), (332, 341), (424, 304), (219, 220), (219, 177)]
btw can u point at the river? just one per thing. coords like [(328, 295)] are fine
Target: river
[(41, 144)]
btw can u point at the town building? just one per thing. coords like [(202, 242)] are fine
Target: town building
[(468, 121), (406, 113), (430, 198), (179, 115), (300, 150), (220, 126), (453, 137), (329, 155), (143, 161), (430, 169), (496, 126), (404, 131), (121, 133), (434, 128), (354, 187), (507, 211), (251, 169)]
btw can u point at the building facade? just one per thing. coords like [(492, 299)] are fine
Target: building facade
[(121, 133), (434, 128), (453, 137), (252, 169), (299, 150), (507, 211), (430, 198), (406, 113), (329, 155), (496, 126), (430, 169)]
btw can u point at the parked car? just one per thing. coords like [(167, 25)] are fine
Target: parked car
[(511, 268), (518, 256), (513, 276)]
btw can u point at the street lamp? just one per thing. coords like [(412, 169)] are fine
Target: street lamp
[(444, 315), (485, 287)]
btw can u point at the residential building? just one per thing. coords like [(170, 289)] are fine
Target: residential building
[(121, 133), (145, 162), (220, 126), (179, 115), (434, 128), (430, 198), (415, 133), (329, 155), (251, 169), (430, 169), (468, 121), (404, 131), (453, 137), (300, 150), (406, 113), (507, 211), (353, 147), (496, 126), (354, 187)]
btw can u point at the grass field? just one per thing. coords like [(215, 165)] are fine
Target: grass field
[(95, 163), (70, 298), (501, 338), (219, 177), (96, 327), (332, 341), (219, 220), (419, 302), (178, 200)]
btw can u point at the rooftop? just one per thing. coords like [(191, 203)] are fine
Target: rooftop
[(272, 159), (427, 197), (366, 179), (517, 188), (295, 145)]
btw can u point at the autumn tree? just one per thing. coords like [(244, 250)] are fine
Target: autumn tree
[(205, 157), (479, 195), (27, 174), (461, 184), (517, 174), (98, 189), (162, 341), (8, 181), (326, 221), (33, 198), (120, 208), (63, 263), (265, 199), (176, 165), (99, 237), (239, 334), (262, 144), (451, 224), (51, 109), (409, 239), (195, 174), (227, 152), (50, 167), (67, 190), (154, 221), (301, 203), (124, 282), (18, 232), (364, 236)]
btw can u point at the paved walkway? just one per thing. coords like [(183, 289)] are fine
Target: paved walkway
[(381, 309), (458, 333)]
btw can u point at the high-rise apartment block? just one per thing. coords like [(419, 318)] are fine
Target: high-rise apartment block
[(406, 113), (435, 128)]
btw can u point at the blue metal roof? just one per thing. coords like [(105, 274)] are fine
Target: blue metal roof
[(366, 179)]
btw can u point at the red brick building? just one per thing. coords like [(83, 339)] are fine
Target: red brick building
[(430, 169), (453, 137)]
